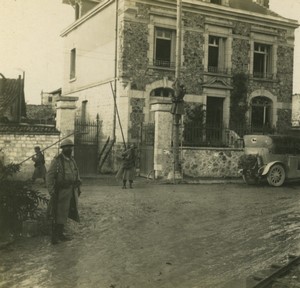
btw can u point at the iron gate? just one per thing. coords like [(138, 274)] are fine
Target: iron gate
[(86, 146), (147, 149)]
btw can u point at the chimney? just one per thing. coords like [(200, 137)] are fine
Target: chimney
[(264, 3)]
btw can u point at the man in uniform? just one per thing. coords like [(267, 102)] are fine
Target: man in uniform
[(63, 183)]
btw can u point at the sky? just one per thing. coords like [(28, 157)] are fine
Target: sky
[(30, 41)]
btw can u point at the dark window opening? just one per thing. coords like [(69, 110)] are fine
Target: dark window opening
[(163, 52), (83, 111), (73, 64), (77, 11), (261, 61), (162, 92), (164, 46), (261, 113), (216, 2), (216, 54)]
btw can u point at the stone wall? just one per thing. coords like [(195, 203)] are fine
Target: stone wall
[(18, 147), (211, 162), (204, 162), (285, 73)]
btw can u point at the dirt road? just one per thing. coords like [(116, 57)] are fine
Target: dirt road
[(183, 236)]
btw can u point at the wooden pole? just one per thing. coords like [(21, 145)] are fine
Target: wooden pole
[(177, 117)]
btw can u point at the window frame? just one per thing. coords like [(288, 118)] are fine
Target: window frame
[(172, 38), (222, 65), (263, 50)]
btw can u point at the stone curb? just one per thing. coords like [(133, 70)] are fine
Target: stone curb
[(198, 181), (110, 180)]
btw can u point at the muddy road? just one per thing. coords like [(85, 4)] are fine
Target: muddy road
[(183, 236)]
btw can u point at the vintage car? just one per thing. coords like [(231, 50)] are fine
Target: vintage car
[(274, 157)]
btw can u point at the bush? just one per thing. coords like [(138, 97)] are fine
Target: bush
[(18, 200)]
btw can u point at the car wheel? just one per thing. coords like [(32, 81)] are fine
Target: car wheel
[(250, 180), (276, 175)]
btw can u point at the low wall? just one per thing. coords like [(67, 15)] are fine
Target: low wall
[(211, 162), (204, 162), (17, 144)]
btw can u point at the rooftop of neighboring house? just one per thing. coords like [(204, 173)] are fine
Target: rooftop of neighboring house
[(42, 114), (10, 92), (55, 92)]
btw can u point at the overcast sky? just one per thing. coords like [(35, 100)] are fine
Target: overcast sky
[(30, 41)]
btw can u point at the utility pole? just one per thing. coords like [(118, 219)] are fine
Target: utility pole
[(20, 99), (177, 106)]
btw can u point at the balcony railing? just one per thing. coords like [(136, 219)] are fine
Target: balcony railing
[(217, 70), (262, 75), (163, 63)]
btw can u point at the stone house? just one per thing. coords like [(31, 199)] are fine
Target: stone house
[(125, 51), (50, 98)]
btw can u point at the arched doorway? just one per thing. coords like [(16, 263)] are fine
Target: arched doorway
[(261, 114)]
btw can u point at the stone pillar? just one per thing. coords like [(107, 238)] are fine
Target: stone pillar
[(65, 115), (163, 137)]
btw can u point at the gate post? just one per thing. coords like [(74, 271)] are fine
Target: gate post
[(65, 115), (163, 138)]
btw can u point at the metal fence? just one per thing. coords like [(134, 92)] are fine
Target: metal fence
[(195, 135)]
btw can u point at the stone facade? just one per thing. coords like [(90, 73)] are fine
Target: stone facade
[(139, 75)]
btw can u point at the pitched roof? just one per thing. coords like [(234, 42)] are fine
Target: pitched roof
[(27, 128), (10, 93), (249, 5), (38, 112)]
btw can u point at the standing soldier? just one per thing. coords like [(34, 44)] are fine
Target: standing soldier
[(63, 184), (127, 168), (39, 165)]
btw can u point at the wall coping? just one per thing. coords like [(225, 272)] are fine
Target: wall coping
[(212, 148), (67, 98), (161, 105)]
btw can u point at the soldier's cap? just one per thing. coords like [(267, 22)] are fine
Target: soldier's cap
[(66, 142)]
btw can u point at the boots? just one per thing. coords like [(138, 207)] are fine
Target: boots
[(130, 184), (54, 234), (124, 184), (61, 235), (58, 235)]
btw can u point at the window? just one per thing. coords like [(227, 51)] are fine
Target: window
[(50, 99), (262, 61), (216, 54), (73, 64), (216, 2), (261, 113), (164, 47), (162, 92), (83, 111), (77, 11)]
